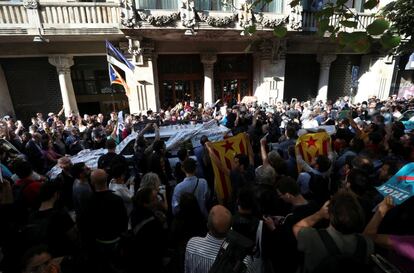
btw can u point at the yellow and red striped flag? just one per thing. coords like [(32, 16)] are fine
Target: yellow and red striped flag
[(225, 151), (312, 145)]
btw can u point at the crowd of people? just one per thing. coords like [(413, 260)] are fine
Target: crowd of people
[(149, 216)]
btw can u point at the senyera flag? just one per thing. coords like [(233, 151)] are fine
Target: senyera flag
[(225, 151), (401, 186), (312, 145)]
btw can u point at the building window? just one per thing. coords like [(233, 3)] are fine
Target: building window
[(90, 77), (276, 6), (233, 77), (157, 4), (212, 5)]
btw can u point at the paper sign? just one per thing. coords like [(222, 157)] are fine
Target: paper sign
[(401, 186)]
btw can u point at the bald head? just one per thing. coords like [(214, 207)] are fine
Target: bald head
[(99, 179), (219, 221)]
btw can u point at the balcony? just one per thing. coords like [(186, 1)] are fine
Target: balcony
[(309, 21), (78, 18), (98, 19)]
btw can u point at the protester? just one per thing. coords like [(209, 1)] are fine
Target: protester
[(273, 204), (201, 251), (191, 185), (346, 221)]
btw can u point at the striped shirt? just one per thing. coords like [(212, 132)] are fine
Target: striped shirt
[(201, 253)]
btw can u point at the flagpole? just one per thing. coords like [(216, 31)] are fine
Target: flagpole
[(109, 75)]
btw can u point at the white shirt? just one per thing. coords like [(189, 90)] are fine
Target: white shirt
[(122, 191), (310, 123)]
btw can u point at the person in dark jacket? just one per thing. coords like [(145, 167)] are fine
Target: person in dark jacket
[(149, 235)]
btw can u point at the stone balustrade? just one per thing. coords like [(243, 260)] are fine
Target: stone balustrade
[(309, 21), (72, 18), (81, 18), (13, 19)]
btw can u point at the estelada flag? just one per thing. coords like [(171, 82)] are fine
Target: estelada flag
[(225, 150), (116, 78), (312, 145)]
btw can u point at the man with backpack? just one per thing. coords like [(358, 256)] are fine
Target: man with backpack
[(340, 247), (191, 187)]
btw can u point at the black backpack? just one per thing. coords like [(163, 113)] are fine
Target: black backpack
[(337, 262), (189, 197), (232, 253)]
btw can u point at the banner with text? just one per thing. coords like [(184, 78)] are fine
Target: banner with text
[(401, 186)]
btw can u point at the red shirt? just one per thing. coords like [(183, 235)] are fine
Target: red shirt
[(31, 191)]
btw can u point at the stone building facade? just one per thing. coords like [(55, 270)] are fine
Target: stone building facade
[(53, 54)]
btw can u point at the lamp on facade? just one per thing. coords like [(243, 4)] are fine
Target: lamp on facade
[(410, 63)]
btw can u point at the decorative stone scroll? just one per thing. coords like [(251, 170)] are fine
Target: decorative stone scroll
[(187, 13), (295, 18), (246, 17), (159, 20), (273, 50), (269, 22), (217, 21), (30, 4), (128, 14)]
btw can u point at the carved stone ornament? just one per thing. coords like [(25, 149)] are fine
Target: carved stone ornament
[(30, 4), (273, 50), (266, 49), (295, 18), (187, 13), (128, 14), (159, 20), (216, 21), (246, 17), (279, 50), (269, 22)]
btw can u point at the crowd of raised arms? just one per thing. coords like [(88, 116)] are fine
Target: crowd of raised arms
[(149, 216)]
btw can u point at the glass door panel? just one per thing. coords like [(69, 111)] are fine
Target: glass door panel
[(182, 91), (198, 95), (168, 92), (244, 89)]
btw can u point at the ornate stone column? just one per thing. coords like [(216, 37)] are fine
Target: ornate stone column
[(63, 64), (325, 62), (208, 61)]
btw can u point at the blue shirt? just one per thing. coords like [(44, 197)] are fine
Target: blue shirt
[(189, 185), (5, 171)]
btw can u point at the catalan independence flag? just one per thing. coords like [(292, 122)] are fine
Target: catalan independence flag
[(116, 58), (225, 151), (312, 145), (116, 78)]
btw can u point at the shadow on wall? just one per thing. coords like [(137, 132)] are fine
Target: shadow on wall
[(302, 76), (33, 85)]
